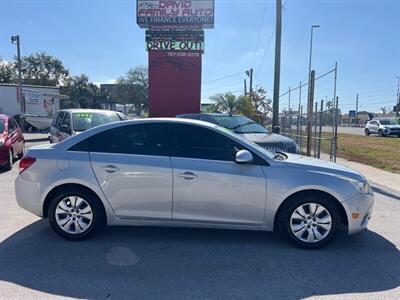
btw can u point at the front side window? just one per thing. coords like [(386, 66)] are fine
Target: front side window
[(2, 126), (59, 119), (139, 139), (86, 120), (66, 120), (197, 142)]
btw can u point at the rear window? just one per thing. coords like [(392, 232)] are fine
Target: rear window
[(86, 120), (240, 124)]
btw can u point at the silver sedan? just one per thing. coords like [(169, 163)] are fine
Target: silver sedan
[(185, 173)]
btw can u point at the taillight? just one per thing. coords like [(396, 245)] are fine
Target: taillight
[(25, 163)]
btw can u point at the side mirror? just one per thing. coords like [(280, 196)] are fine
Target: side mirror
[(243, 157), (65, 129)]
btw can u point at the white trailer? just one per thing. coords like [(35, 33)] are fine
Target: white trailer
[(41, 103)]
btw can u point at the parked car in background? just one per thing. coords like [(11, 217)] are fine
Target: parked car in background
[(68, 122), (382, 127), (248, 129), (12, 141), (186, 173)]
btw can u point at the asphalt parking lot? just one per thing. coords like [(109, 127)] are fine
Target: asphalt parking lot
[(154, 263)]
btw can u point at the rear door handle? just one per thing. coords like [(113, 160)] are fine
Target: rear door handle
[(188, 175), (110, 169)]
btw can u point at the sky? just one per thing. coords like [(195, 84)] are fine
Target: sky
[(100, 38)]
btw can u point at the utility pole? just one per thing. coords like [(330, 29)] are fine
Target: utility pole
[(310, 112), (277, 72), (245, 87), (398, 97), (15, 40), (357, 110), (250, 74)]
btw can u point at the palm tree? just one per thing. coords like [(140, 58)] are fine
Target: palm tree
[(227, 102)]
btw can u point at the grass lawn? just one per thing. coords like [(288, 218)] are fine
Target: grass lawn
[(382, 153)]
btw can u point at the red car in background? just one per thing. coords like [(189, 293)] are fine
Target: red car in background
[(12, 141)]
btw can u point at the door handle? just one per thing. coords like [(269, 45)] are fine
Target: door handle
[(110, 169), (188, 175)]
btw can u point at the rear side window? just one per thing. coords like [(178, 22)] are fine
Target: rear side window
[(140, 139), (197, 142)]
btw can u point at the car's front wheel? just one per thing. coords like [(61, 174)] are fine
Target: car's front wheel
[(380, 133), (310, 221), (76, 214)]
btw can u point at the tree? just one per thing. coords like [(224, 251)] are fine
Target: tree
[(227, 102), (42, 69), (133, 88), (8, 72), (262, 106), (81, 91)]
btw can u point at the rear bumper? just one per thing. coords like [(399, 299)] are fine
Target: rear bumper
[(359, 211), (28, 195)]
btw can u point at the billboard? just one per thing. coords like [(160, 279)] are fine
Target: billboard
[(175, 40), (174, 13)]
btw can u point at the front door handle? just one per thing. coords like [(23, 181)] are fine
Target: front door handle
[(110, 169), (187, 175)]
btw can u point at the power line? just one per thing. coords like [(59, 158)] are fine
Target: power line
[(222, 78), (259, 32)]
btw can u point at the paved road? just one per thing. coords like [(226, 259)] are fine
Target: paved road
[(162, 263), (348, 130)]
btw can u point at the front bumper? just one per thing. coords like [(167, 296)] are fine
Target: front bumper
[(28, 195), (359, 211)]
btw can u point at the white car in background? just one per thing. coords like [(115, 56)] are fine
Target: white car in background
[(382, 128), (186, 173)]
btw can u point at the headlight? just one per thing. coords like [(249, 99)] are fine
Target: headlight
[(362, 186)]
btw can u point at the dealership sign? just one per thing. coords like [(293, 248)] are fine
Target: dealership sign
[(175, 40), (173, 13)]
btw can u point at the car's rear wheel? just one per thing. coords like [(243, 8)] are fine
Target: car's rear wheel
[(76, 214), (21, 154), (310, 222), (367, 132), (380, 133), (10, 160)]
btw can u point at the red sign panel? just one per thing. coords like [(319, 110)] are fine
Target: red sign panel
[(174, 83)]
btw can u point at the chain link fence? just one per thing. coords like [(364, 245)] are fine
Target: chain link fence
[(313, 128)]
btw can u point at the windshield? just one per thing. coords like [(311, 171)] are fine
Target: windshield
[(387, 122), (245, 141), (86, 120), (240, 124), (1, 126)]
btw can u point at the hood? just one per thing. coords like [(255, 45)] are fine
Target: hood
[(263, 138), (321, 166), (392, 126)]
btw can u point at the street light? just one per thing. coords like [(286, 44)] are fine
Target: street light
[(311, 44)]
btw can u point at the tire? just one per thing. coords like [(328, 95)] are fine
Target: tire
[(380, 133), (367, 133), (9, 164), (81, 224), (21, 154), (298, 229)]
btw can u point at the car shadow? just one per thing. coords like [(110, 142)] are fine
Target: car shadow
[(171, 263)]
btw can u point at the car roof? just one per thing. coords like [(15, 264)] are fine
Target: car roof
[(4, 117), (87, 110)]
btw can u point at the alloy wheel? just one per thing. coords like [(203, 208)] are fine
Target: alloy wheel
[(74, 215), (310, 222)]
